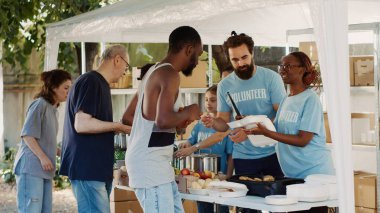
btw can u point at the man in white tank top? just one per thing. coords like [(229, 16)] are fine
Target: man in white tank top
[(154, 115)]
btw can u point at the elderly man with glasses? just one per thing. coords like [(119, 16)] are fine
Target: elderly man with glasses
[(87, 149)]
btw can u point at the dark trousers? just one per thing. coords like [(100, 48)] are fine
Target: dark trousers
[(205, 207), (263, 166)]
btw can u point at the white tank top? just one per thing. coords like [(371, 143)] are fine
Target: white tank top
[(150, 149)]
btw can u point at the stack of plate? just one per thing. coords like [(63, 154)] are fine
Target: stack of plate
[(280, 200), (308, 192)]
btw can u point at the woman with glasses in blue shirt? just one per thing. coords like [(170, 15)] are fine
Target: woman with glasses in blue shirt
[(299, 121)]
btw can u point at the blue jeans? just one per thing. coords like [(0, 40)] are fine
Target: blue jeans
[(205, 207), (160, 199), (34, 194), (92, 196)]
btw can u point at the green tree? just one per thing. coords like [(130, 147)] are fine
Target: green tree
[(22, 28)]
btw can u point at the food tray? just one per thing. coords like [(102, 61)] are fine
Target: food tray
[(265, 188)]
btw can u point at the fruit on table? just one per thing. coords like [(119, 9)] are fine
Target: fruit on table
[(207, 174), (177, 171), (185, 171), (196, 174), (196, 185)]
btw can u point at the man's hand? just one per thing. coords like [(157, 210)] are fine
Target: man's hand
[(121, 128), (239, 117), (193, 111), (184, 145), (238, 135), (185, 152), (207, 120)]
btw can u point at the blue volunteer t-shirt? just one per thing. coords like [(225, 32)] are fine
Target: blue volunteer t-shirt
[(303, 112), (222, 148), (254, 96)]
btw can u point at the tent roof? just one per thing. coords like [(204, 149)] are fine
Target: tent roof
[(152, 21)]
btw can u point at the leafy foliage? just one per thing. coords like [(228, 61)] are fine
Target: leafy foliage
[(6, 166), (61, 182), (23, 23)]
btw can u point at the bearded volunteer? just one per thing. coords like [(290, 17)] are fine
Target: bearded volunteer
[(256, 91), (155, 118)]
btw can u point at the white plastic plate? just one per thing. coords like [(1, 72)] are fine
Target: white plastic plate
[(280, 200)]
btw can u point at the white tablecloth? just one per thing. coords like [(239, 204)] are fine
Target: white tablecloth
[(253, 202), (258, 203)]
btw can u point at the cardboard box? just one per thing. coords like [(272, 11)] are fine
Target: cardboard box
[(184, 182), (327, 128), (118, 194), (362, 123), (198, 79), (365, 190), (310, 49), (363, 69), (352, 75), (365, 210), (126, 207), (190, 206)]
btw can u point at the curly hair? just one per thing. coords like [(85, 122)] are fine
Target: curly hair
[(50, 80), (236, 40), (311, 76)]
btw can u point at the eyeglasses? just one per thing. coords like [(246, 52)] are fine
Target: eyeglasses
[(286, 67), (128, 66)]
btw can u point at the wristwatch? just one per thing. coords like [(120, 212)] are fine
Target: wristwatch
[(197, 145)]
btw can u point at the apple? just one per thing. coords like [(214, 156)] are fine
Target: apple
[(204, 175), (208, 174), (185, 171), (196, 174)]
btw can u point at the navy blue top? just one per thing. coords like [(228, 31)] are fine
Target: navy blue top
[(88, 156)]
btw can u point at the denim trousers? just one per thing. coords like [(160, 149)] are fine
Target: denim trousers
[(34, 194), (163, 198), (92, 196)]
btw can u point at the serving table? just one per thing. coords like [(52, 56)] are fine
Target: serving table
[(253, 202), (258, 203)]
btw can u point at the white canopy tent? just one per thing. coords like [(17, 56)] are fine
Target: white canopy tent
[(266, 20)]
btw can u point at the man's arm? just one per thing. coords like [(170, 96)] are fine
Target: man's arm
[(213, 139), (165, 116), (85, 123), (129, 113)]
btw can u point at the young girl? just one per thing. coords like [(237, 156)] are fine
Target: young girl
[(35, 161), (299, 122), (215, 142)]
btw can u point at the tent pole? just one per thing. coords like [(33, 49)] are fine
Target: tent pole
[(376, 83), (209, 65), (2, 148), (83, 56)]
